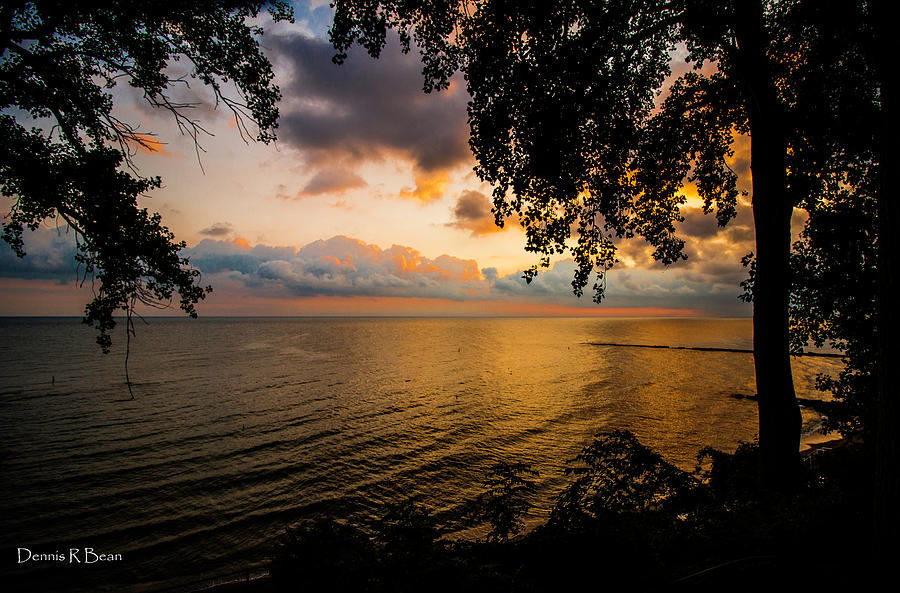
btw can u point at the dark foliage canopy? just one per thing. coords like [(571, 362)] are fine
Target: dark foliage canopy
[(60, 64), (565, 116)]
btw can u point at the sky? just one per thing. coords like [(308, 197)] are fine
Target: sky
[(366, 205)]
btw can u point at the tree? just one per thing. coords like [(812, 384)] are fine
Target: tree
[(833, 302), (505, 500), (887, 448), (847, 270), (60, 63), (564, 124), (833, 172)]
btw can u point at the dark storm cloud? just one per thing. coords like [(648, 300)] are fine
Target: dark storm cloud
[(366, 108)]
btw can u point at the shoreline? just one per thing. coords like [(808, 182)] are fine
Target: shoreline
[(818, 441)]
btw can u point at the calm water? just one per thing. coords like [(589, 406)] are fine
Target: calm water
[(243, 426)]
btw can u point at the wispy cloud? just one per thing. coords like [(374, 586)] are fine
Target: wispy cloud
[(219, 229), (332, 181)]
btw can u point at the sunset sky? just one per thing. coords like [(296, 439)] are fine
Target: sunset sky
[(366, 205)]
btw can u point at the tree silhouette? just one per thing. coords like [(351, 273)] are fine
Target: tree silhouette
[(833, 174), (59, 64), (565, 125), (887, 449), (845, 266), (505, 500)]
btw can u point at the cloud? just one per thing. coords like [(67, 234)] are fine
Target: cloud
[(331, 181), (237, 255), (697, 224), (150, 144), (344, 266), (219, 229), (740, 161), (367, 110), (429, 187), (50, 255), (341, 266), (282, 192), (343, 205), (473, 212), (347, 267)]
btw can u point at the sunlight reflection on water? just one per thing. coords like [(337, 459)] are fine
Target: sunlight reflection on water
[(243, 426)]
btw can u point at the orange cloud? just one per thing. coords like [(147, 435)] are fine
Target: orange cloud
[(410, 260), (150, 145), (350, 268), (429, 187), (343, 266), (241, 242)]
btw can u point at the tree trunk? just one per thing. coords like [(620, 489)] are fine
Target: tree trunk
[(887, 455), (779, 414)]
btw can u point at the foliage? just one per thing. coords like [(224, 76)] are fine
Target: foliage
[(400, 550), (614, 162), (407, 531), (834, 304), (505, 500), (60, 65), (713, 527), (324, 555), (833, 299), (617, 474), (729, 475)]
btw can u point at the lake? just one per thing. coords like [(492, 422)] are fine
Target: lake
[(241, 427)]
